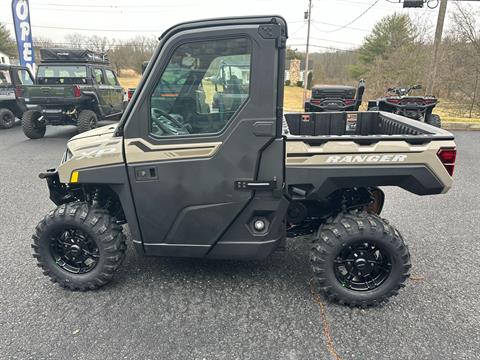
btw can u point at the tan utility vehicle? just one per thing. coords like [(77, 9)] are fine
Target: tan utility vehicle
[(233, 182)]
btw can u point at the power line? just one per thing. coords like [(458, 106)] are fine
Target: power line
[(323, 47), (321, 39), (330, 24), (358, 17), (115, 6), (89, 29)]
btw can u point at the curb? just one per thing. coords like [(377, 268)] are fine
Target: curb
[(465, 126)]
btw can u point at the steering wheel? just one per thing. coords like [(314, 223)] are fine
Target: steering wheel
[(172, 126)]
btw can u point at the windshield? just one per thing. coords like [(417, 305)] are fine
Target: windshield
[(62, 74)]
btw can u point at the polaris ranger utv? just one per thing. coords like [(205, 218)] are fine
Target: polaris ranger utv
[(239, 187), (73, 87), (335, 98), (399, 101), (12, 104)]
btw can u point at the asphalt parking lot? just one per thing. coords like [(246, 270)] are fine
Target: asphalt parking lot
[(160, 308)]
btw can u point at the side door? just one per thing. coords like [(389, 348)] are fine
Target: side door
[(102, 89), (115, 92), (192, 181)]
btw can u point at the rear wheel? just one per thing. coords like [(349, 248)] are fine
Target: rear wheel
[(79, 246), (434, 119), (7, 119), (358, 259), (32, 127), (87, 120)]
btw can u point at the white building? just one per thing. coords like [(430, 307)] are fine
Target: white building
[(4, 59)]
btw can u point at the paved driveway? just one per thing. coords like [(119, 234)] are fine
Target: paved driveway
[(192, 309)]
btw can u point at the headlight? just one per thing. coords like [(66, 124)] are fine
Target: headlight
[(66, 156)]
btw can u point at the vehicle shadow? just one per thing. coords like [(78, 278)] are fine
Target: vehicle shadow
[(290, 266)]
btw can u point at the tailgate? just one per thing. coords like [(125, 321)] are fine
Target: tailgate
[(50, 91)]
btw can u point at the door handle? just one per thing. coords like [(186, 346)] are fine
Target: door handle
[(255, 185)]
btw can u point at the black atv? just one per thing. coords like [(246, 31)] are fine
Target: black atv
[(12, 104), (335, 98), (399, 101)]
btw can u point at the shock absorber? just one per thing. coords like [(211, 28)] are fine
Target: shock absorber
[(96, 198)]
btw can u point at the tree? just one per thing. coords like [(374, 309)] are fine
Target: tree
[(389, 34), (7, 44)]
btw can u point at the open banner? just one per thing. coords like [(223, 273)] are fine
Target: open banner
[(23, 33)]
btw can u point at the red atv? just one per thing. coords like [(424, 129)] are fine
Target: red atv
[(398, 101)]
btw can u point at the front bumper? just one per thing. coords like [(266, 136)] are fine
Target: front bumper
[(58, 191)]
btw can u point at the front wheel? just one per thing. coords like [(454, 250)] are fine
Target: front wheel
[(32, 127), (7, 119), (87, 120), (79, 246), (358, 259), (434, 119)]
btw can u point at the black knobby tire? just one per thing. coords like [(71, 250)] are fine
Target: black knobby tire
[(434, 119), (95, 224), (7, 119), (30, 125), (87, 120), (345, 232)]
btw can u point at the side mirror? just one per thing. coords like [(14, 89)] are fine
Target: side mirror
[(417, 87)]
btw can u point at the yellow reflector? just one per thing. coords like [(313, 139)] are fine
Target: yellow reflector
[(74, 177)]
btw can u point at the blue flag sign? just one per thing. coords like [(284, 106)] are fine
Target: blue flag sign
[(23, 33)]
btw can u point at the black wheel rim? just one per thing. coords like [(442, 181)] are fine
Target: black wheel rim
[(74, 251), (36, 123), (93, 122), (8, 119), (362, 266)]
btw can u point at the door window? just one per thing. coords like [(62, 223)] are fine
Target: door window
[(111, 78), (202, 87), (98, 74), (25, 77)]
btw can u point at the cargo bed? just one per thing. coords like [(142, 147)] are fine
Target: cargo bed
[(347, 149), (362, 127)]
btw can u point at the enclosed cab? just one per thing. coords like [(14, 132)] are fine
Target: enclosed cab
[(72, 87)]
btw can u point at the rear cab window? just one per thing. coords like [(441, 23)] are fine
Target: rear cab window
[(62, 74)]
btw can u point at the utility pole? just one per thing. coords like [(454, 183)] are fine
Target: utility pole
[(436, 45), (305, 73)]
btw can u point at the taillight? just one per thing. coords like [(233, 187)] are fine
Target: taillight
[(349, 101), (393, 101), (18, 91), (447, 157), (130, 93), (76, 91), (315, 101)]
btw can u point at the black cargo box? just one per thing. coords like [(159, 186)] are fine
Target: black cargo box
[(72, 55)]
